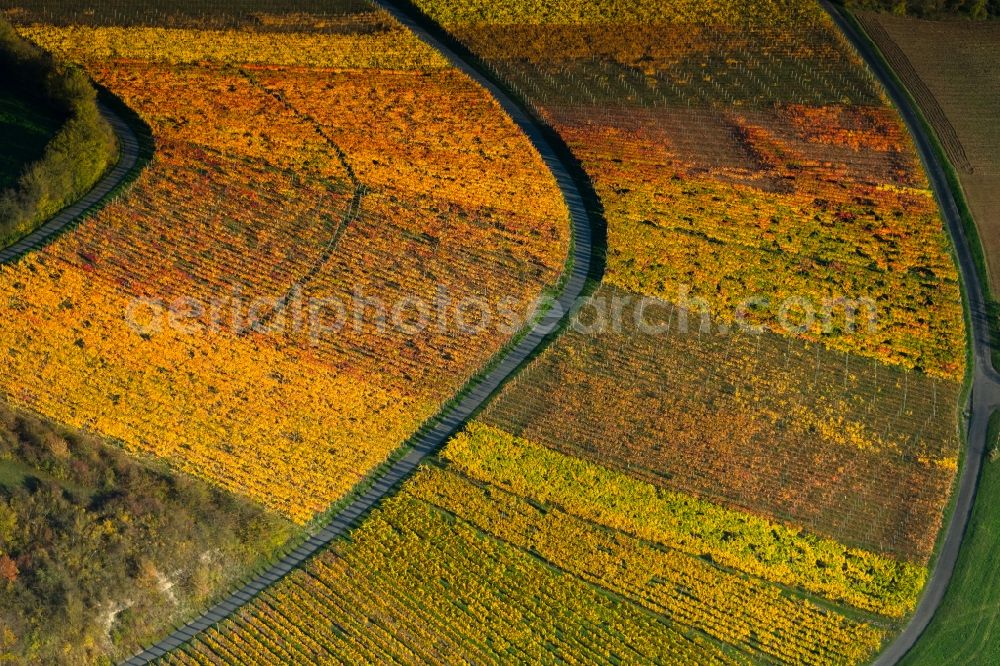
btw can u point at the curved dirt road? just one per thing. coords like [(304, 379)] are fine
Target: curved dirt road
[(985, 393)]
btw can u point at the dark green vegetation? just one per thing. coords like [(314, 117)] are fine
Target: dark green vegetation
[(100, 552), (75, 157), (975, 9), (25, 130), (966, 628)]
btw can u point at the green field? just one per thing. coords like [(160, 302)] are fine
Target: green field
[(966, 628), (25, 130)]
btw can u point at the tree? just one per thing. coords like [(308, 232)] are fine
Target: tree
[(8, 523), (8, 570)]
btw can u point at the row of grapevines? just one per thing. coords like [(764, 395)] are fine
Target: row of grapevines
[(764, 548), (756, 617), (839, 444), (413, 585), (615, 12), (392, 49)]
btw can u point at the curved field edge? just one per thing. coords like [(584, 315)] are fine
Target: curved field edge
[(135, 151), (965, 627), (580, 274), (982, 387), (76, 156), (972, 238), (974, 243), (972, 231)]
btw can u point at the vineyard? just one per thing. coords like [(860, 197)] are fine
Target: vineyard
[(949, 69), (741, 451), (854, 449), (511, 551), (781, 226), (319, 164), (368, 41), (739, 157), (750, 170)]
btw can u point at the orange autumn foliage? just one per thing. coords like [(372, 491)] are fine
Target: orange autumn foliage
[(262, 185)]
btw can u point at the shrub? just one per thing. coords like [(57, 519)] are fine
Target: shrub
[(77, 155)]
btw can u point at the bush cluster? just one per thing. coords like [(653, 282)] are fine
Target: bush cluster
[(75, 158), (100, 552)]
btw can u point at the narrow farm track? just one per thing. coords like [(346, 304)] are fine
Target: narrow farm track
[(127, 159), (985, 393), (585, 264)]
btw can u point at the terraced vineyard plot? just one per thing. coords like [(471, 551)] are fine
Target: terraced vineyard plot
[(673, 65), (264, 15), (786, 197), (271, 424), (366, 40), (666, 54), (727, 537), (448, 211), (272, 194), (267, 189), (420, 586)]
